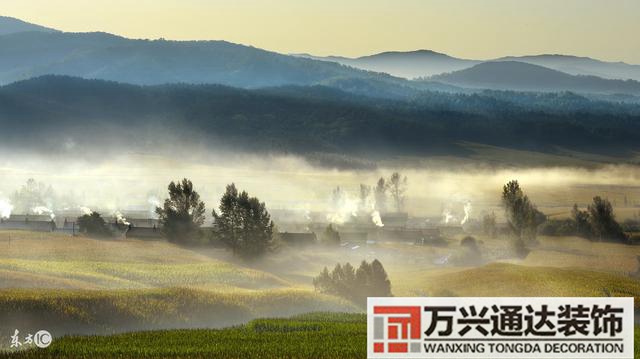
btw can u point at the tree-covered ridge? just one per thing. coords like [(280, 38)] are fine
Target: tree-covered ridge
[(44, 112)]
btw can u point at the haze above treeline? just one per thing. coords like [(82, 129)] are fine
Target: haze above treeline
[(223, 95)]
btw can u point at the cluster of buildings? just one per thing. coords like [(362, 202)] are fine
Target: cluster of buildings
[(294, 231), (394, 227), (68, 224)]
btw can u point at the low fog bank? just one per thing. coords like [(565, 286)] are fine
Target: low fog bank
[(137, 182)]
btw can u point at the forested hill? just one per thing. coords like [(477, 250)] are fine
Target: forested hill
[(71, 115), (109, 57)]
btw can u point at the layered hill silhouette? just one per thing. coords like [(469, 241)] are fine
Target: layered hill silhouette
[(520, 76), (410, 64), (30, 51), (426, 63), (575, 65), (63, 114), (27, 54)]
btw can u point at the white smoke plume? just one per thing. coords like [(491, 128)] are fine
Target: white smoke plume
[(85, 210), (5, 208), (377, 220), (467, 212), (40, 210), (155, 203), (120, 218), (447, 216), (344, 208)]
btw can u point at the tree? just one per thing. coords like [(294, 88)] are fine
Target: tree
[(338, 197), (243, 224), (31, 195), (522, 215), (182, 213), (330, 236), (380, 283), (365, 194), (489, 226), (380, 193), (602, 220), (470, 243), (398, 188), (581, 222), (93, 225)]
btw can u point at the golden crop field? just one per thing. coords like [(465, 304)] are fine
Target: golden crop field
[(77, 285)]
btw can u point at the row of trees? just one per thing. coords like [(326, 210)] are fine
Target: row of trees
[(597, 222), (369, 280), (242, 222), (395, 187)]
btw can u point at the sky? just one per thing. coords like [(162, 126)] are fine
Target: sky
[(477, 29)]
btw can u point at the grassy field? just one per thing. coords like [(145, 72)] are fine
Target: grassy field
[(60, 261), (315, 335), (509, 280), (319, 335), (112, 311)]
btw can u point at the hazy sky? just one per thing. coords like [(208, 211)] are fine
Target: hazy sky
[(605, 29)]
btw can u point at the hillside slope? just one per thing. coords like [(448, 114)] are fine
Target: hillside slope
[(10, 25), (520, 76), (576, 65)]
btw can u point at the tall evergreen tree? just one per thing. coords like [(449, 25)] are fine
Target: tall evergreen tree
[(182, 213), (398, 188), (380, 194), (243, 224), (603, 222)]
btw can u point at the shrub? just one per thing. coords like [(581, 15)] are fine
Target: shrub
[(559, 227), (330, 237), (94, 225)]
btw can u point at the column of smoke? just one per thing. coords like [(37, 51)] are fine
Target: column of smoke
[(346, 207), (448, 216), (5, 209), (467, 212), (155, 203), (375, 217), (40, 210), (120, 218)]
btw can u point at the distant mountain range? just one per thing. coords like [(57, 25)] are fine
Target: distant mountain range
[(520, 76), (427, 63), (581, 66), (27, 54), (411, 64), (30, 51)]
